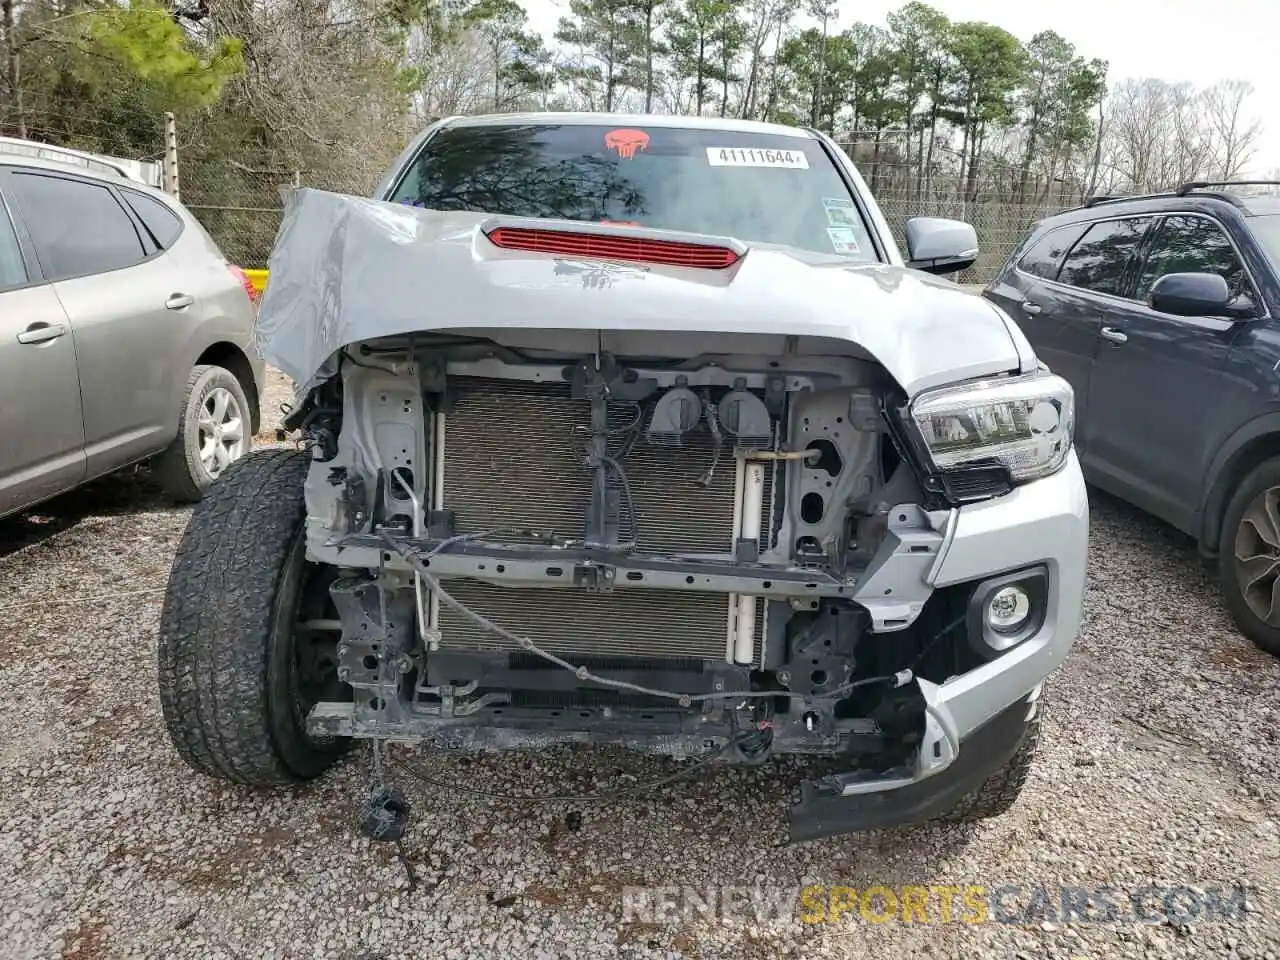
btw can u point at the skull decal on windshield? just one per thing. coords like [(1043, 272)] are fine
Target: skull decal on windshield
[(626, 142)]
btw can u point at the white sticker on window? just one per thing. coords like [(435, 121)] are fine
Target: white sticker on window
[(840, 212), (844, 240), (755, 157)]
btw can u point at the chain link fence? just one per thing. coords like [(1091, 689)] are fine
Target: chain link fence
[(239, 200), (909, 181)]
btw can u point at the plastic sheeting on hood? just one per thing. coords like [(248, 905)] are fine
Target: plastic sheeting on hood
[(347, 269)]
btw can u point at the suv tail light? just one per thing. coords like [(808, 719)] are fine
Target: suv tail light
[(244, 282)]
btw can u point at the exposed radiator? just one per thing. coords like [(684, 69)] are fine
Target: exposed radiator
[(626, 623), (511, 460)]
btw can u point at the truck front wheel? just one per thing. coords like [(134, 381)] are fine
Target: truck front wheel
[(245, 650)]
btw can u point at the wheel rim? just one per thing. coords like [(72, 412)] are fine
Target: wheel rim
[(221, 431), (1257, 556), (308, 624)]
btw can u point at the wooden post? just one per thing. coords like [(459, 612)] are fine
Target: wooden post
[(171, 157)]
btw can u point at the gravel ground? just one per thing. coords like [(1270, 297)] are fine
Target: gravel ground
[(1159, 766)]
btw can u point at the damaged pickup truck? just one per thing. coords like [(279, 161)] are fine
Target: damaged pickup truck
[(637, 430)]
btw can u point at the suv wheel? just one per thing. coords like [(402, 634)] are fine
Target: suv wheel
[(1249, 556), (245, 646), (214, 430)]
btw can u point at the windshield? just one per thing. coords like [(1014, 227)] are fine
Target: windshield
[(1267, 230), (756, 187)]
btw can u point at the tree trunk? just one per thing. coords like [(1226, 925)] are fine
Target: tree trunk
[(12, 67), (648, 59), (1097, 153), (497, 79), (822, 72), (975, 152), (933, 139), (749, 95), (772, 100), (700, 81), (919, 188), (1049, 179), (724, 85), (608, 77), (1033, 131)]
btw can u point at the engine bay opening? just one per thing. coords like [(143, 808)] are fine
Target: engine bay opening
[(663, 547)]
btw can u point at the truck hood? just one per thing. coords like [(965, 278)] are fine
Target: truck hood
[(347, 269)]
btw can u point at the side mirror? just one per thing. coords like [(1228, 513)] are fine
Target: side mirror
[(935, 245), (1192, 295)]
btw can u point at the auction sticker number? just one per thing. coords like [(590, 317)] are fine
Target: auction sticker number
[(755, 157)]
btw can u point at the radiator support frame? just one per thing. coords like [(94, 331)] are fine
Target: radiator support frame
[(605, 570)]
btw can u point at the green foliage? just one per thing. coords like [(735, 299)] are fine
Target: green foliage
[(518, 57), (644, 45), (991, 64), (728, 37), (918, 55), (602, 31), (151, 46), (702, 36), (877, 103)]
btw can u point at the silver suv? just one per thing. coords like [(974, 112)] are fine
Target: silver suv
[(125, 334)]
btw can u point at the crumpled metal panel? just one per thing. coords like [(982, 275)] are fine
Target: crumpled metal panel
[(347, 269)]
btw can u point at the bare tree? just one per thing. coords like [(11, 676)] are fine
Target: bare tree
[(1160, 134), (455, 76), (1193, 155), (8, 22), (1139, 112), (764, 23), (1235, 134)]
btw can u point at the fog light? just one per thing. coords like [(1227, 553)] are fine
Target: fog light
[(1008, 609)]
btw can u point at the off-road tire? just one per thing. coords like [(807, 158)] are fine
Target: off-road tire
[(225, 653), (1261, 478), (178, 469), (1000, 790)]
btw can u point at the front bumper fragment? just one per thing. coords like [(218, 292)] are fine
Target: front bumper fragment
[(976, 720), (829, 807)]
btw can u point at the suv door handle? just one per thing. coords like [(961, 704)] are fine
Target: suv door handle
[(1029, 307), (42, 332), (178, 301), (1114, 335)]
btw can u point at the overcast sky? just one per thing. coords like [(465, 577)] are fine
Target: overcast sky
[(1175, 40)]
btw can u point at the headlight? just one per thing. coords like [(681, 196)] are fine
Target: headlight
[(1023, 423)]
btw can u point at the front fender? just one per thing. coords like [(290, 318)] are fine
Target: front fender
[(1248, 445), (1027, 359)]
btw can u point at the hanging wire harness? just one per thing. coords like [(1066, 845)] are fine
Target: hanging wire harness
[(419, 565)]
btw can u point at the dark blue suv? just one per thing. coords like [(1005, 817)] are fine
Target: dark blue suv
[(1164, 314)]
